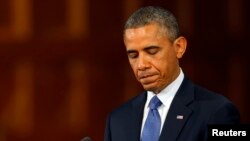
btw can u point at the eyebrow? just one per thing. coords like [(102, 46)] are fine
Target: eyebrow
[(151, 47), (131, 51), (146, 48)]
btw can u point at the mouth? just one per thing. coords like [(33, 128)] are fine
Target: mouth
[(144, 76), (147, 79)]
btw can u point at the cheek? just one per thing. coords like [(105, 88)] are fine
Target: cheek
[(157, 68), (160, 64), (163, 67)]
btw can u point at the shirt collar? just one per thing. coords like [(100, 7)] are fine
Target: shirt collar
[(169, 91)]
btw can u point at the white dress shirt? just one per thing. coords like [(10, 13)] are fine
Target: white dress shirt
[(166, 97)]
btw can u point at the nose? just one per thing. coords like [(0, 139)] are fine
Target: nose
[(142, 63)]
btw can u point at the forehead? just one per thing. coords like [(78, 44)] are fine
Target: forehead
[(132, 32), (149, 30)]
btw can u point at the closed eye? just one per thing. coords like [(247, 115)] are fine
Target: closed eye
[(152, 50), (132, 54)]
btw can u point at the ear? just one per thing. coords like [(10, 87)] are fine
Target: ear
[(180, 45)]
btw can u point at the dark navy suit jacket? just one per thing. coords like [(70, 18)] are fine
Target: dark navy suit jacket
[(198, 106)]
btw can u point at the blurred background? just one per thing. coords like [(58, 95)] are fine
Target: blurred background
[(63, 65)]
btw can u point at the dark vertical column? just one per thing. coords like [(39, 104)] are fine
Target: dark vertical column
[(105, 62), (210, 44), (49, 17), (4, 13), (246, 51), (237, 45)]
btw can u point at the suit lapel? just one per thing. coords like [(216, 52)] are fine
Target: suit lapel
[(175, 121), (137, 110), (178, 113)]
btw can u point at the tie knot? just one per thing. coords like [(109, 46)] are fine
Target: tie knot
[(154, 103)]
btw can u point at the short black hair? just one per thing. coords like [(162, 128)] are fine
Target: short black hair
[(154, 14)]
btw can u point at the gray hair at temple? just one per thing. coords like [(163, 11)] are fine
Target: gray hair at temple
[(152, 14)]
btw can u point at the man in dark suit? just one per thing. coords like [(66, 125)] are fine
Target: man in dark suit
[(172, 108)]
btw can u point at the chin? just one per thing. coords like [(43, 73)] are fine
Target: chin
[(151, 88)]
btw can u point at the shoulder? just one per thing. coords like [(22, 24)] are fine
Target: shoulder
[(219, 107), (206, 102), (190, 91), (204, 95), (200, 93), (133, 104)]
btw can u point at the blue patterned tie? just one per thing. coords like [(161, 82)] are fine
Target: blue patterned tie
[(152, 126)]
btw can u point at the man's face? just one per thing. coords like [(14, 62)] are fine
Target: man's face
[(152, 56)]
